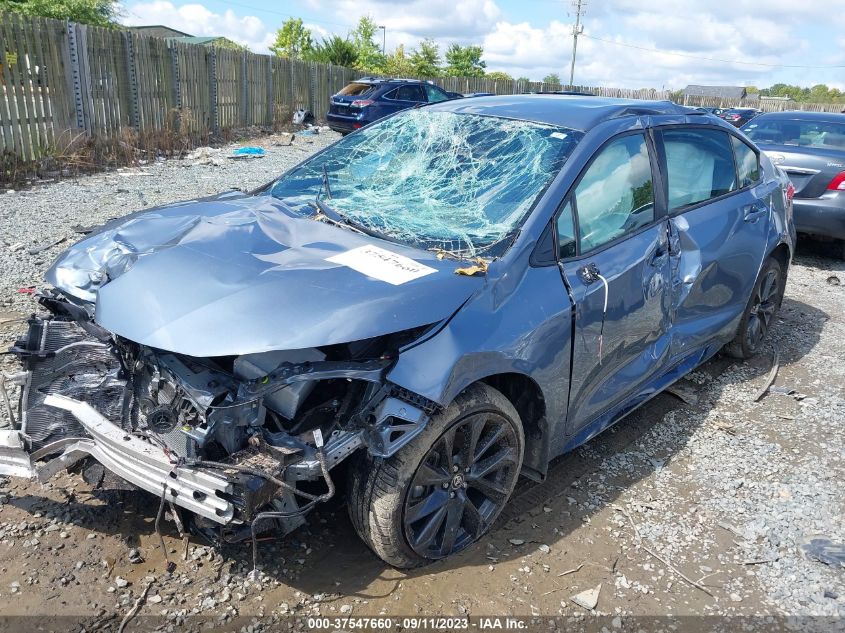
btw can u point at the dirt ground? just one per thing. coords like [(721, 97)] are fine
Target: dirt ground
[(690, 507)]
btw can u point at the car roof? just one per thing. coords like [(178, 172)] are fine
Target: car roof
[(801, 115), (387, 80), (574, 112)]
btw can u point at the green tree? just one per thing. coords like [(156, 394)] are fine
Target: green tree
[(397, 63), (335, 50), (95, 12), (425, 60), (552, 78), (293, 40), (465, 61), (524, 80), (369, 53), (819, 93), (225, 42), (498, 75)]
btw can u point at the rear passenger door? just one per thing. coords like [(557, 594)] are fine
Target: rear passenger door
[(404, 97), (719, 210), (613, 245)]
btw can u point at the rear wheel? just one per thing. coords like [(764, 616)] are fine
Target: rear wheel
[(444, 490), (760, 313)]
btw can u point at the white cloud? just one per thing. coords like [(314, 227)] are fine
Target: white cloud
[(196, 19), (444, 20), (762, 31)]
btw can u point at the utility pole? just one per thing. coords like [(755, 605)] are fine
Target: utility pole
[(580, 7), (383, 39)]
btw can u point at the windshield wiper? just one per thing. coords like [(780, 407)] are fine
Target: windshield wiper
[(335, 216)]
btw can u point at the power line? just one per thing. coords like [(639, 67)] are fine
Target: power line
[(708, 59)]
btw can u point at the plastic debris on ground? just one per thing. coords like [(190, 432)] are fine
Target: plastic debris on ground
[(205, 156), (248, 152), (824, 550), (301, 117)]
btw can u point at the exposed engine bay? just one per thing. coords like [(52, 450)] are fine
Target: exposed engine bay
[(234, 440)]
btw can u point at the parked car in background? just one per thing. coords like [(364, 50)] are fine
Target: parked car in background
[(739, 116), (370, 98), (572, 93), (454, 295), (810, 148), (715, 111)]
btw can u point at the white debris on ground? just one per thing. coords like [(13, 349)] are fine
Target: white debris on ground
[(683, 508)]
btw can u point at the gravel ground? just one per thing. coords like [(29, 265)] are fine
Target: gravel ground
[(697, 507)]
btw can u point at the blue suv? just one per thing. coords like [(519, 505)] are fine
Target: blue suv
[(369, 99)]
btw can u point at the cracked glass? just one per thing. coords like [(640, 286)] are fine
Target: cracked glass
[(461, 183)]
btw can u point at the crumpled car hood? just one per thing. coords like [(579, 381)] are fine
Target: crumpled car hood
[(239, 275)]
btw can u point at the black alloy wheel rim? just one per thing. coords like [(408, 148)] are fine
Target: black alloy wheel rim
[(763, 309), (461, 485)]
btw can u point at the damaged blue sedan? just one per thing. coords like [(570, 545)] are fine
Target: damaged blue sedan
[(438, 303)]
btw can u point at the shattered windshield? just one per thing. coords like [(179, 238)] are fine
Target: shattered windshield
[(462, 183)]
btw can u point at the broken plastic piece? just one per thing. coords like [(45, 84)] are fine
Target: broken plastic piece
[(824, 550)]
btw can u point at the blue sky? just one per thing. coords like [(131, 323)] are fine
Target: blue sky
[(686, 41)]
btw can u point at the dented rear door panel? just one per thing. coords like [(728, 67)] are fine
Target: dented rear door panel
[(716, 253)]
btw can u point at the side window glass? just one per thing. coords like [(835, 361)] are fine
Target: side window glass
[(699, 165), (565, 232), (747, 163), (434, 95), (410, 93), (616, 193), (392, 94)]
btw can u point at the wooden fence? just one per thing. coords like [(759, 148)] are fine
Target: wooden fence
[(61, 81), (761, 104)]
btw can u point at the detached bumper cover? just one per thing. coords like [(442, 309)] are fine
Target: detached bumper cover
[(135, 460)]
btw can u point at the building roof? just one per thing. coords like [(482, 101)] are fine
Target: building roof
[(158, 30), (573, 112), (196, 39), (724, 92)]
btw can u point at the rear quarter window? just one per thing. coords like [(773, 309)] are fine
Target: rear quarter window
[(747, 163)]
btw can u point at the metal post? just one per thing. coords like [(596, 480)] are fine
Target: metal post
[(134, 115), (177, 87), (245, 114), (212, 91), (76, 78)]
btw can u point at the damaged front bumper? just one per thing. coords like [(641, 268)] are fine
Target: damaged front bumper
[(83, 402), (140, 463)]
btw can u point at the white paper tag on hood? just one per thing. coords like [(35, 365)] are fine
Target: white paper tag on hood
[(382, 264)]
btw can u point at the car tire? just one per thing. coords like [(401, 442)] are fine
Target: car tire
[(427, 502), (760, 312)]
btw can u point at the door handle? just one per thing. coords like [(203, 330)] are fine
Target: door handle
[(755, 211), (589, 274)]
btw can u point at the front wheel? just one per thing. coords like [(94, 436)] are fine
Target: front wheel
[(760, 312), (444, 490)]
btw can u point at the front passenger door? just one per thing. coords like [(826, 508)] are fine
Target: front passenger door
[(614, 257)]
